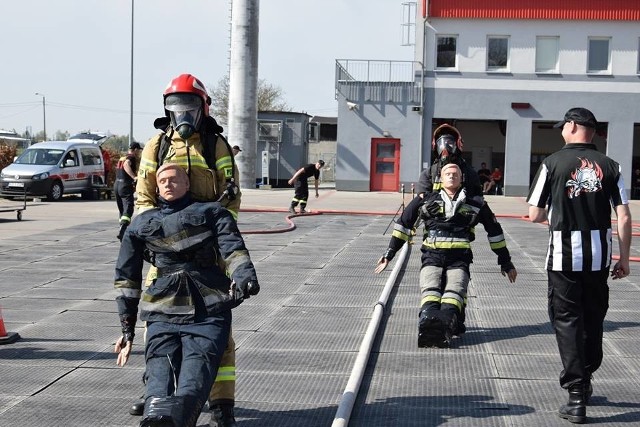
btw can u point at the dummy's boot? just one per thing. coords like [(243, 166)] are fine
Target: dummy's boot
[(162, 412), (292, 208), (575, 410), (137, 408), (222, 415), (302, 209), (432, 330)]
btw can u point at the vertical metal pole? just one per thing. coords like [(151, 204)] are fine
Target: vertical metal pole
[(44, 117), (243, 84), (131, 83), (44, 114)]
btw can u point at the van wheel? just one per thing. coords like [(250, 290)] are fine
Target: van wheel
[(55, 193)]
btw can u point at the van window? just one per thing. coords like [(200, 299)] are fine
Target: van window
[(90, 156), (70, 159), (40, 156)]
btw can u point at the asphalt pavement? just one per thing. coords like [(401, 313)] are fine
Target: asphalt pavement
[(298, 340)]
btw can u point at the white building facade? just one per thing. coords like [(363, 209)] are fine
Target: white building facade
[(502, 72)]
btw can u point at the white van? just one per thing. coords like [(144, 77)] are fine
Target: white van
[(54, 168)]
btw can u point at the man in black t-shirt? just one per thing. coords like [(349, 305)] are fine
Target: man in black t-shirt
[(299, 181), (579, 185)]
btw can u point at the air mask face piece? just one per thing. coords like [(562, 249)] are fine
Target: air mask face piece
[(447, 148), (185, 112)]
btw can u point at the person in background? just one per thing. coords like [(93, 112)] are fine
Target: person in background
[(236, 150), (301, 185), (494, 180), (188, 305), (124, 186), (484, 174), (574, 189), (106, 159)]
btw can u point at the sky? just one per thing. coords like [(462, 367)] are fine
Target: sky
[(77, 54)]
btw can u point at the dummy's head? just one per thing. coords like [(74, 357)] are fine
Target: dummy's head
[(451, 177), (172, 181)]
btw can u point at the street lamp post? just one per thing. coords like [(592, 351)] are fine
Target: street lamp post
[(44, 114), (131, 83)]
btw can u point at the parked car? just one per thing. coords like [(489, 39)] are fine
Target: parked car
[(54, 168)]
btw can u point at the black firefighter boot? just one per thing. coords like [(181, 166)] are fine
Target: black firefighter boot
[(575, 410), (222, 415), (431, 329)]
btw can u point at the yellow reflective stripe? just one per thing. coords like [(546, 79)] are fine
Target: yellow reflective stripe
[(234, 214), (228, 173), (429, 298), (498, 245), (125, 218), (147, 164), (226, 373), (437, 186), (184, 161), (400, 235), (224, 162), (447, 245)]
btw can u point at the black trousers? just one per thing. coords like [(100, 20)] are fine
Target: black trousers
[(578, 304), (124, 200), (301, 195)]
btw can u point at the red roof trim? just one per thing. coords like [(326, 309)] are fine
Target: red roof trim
[(609, 10)]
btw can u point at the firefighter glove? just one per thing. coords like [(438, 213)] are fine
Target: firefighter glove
[(432, 209), (389, 254), (128, 324), (507, 267), (231, 190)]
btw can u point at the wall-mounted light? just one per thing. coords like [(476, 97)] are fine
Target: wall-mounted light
[(352, 105), (386, 133), (520, 105)]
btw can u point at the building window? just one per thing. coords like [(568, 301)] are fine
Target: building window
[(446, 52), (547, 48), (599, 56), (498, 53)]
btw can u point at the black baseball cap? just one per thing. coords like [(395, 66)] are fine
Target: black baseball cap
[(135, 146), (580, 116), (235, 147)]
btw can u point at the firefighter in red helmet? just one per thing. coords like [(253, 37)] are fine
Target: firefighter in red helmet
[(190, 137)]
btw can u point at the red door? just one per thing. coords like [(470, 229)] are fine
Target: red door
[(385, 164)]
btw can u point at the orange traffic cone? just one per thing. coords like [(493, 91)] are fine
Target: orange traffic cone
[(6, 338)]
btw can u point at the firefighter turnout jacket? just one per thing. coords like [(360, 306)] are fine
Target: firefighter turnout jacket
[(449, 228), (208, 182), (179, 238)]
